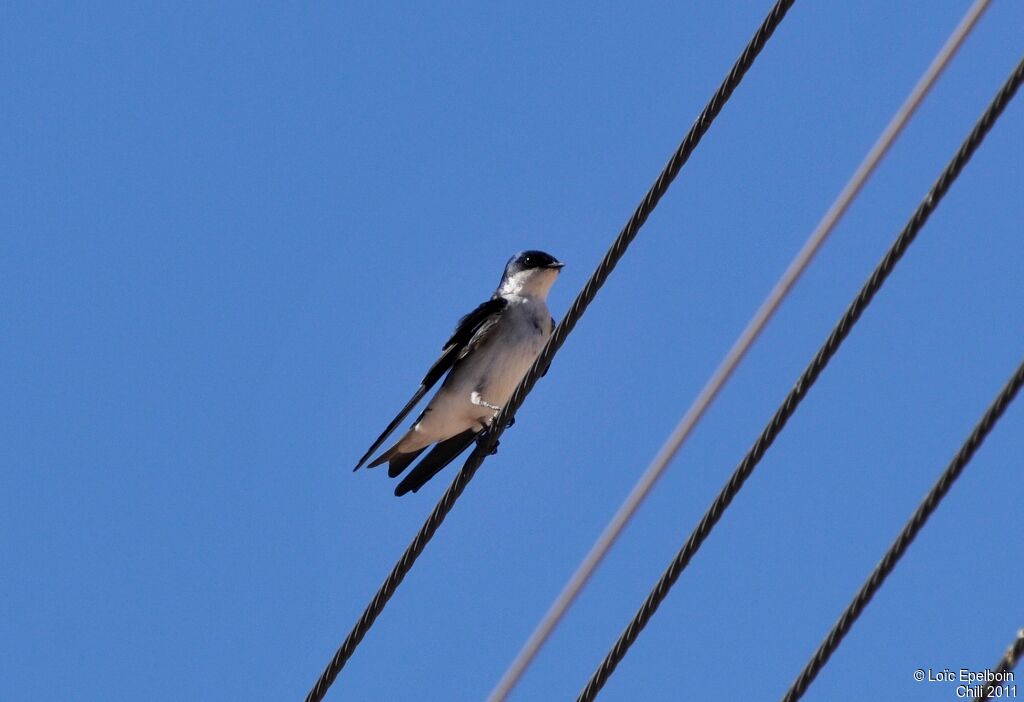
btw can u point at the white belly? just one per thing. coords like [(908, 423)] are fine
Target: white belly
[(493, 371)]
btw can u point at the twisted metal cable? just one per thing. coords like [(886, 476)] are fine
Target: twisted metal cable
[(906, 537), (1007, 663), (802, 386), (643, 211), (744, 342), (489, 440)]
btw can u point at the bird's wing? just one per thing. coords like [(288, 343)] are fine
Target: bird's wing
[(469, 333), (480, 335), (467, 336)]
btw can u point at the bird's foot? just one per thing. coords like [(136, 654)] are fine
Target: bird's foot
[(482, 439)]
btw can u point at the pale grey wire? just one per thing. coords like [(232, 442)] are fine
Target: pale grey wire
[(858, 305), (732, 359)]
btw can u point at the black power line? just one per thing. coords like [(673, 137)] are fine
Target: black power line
[(1007, 663), (906, 537), (489, 440), (802, 386)]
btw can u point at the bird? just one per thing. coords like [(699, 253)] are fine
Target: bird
[(488, 354)]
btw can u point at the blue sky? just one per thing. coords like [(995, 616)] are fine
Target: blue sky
[(235, 237)]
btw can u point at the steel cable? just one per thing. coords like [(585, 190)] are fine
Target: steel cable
[(807, 378), (733, 358), (489, 440), (1007, 663), (906, 537)]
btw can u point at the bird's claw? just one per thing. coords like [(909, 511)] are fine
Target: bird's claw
[(482, 440)]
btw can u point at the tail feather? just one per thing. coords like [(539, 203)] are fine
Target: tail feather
[(420, 392), (397, 459), (441, 455), (401, 461)]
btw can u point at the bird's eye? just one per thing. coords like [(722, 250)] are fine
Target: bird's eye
[(528, 261)]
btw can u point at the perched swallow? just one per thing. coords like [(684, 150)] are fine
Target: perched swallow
[(492, 348)]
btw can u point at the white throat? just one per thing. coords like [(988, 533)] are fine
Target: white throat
[(533, 283)]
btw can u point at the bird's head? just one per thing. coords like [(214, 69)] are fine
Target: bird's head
[(530, 274)]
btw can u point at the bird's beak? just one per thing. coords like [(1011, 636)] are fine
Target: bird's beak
[(556, 265)]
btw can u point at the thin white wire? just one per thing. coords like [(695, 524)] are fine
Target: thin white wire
[(732, 359)]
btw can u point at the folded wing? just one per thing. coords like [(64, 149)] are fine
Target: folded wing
[(470, 330)]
